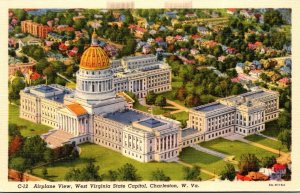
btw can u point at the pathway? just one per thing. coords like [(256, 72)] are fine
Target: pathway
[(208, 151), (176, 111), (183, 108), (284, 158), (62, 76), (201, 169), (272, 138), (226, 158)]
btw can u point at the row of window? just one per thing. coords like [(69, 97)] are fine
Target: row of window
[(219, 133), (103, 142)]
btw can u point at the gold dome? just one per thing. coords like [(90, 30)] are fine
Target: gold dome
[(94, 58)]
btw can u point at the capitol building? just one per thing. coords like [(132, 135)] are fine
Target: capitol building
[(95, 113)]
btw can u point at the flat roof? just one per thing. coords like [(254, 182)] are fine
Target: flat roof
[(45, 89), (188, 131), (126, 117), (152, 123), (255, 94), (211, 107), (58, 98)]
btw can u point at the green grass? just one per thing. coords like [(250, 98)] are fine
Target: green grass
[(159, 110), (27, 128), (182, 116), (140, 107), (267, 142), (107, 160), (236, 148), (272, 129), (204, 160)]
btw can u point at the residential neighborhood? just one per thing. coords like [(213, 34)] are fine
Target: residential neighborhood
[(167, 94)]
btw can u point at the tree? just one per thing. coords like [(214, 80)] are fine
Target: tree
[(13, 130), (285, 138), (192, 100), (15, 87), (181, 93), (112, 175), (273, 17), (15, 145), (160, 101), (150, 98), (88, 173), (268, 162), (248, 163), (228, 172), (73, 175), (192, 174), (34, 144), (45, 172), (159, 175), (19, 164), (49, 156), (128, 173)]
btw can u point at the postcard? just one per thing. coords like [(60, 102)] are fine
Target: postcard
[(149, 96)]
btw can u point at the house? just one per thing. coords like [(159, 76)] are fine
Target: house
[(285, 70), (240, 67), (279, 168), (256, 64), (63, 47), (73, 52), (284, 82), (78, 17), (203, 30), (255, 73), (230, 50), (171, 14), (257, 176), (194, 51), (190, 15), (221, 58), (162, 28), (152, 32), (150, 41), (240, 177), (196, 37), (178, 38), (288, 62), (146, 49), (170, 39), (231, 11)]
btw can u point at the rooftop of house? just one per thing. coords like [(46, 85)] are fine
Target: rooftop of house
[(46, 89), (151, 123), (188, 131), (209, 107), (126, 117), (77, 109)]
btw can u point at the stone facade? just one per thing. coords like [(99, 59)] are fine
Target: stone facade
[(244, 114)]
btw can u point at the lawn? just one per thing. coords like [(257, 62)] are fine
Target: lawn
[(140, 107), (182, 116), (110, 160), (272, 129), (236, 148), (204, 160), (27, 128), (267, 142)]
